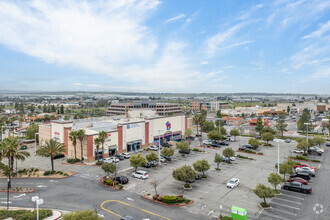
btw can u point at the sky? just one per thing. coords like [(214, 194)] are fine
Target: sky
[(280, 46)]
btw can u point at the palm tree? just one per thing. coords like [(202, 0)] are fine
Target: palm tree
[(196, 121), (21, 155), (97, 142), (103, 136), (51, 148), (10, 149), (73, 136), (81, 135)]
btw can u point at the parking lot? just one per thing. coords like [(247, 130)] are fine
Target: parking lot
[(211, 192)]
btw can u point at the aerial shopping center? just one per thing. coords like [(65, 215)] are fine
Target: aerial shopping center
[(125, 134)]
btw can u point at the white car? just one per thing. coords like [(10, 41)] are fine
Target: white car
[(162, 159), (126, 155), (298, 151), (232, 183), (140, 174), (153, 147), (319, 149), (111, 160), (207, 142), (232, 158), (308, 169)]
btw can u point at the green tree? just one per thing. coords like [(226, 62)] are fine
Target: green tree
[(82, 215), (264, 192), (288, 109), (196, 121), (20, 155), (303, 145), (62, 109), (44, 108), (52, 108), (281, 126), (188, 132), (208, 126), (183, 146), (184, 174), (31, 131), (275, 179), (214, 135), (103, 136), (219, 114), (254, 142), (51, 149), (152, 157), (137, 161), (217, 160), (305, 118), (268, 130), (97, 142), (66, 118), (259, 126), (109, 168), (285, 168), (204, 113), (81, 135), (201, 166), (235, 133), (267, 137), (168, 152), (73, 136), (318, 141), (223, 131), (228, 152)]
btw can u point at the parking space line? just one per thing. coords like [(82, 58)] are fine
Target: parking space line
[(286, 212), (286, 206), (295, 197), (298, 203), (271, 215), (124, 203)]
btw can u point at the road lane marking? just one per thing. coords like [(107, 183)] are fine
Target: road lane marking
[(19, 195), (286, 206), (298, 203), (130, 206), (125, 169), (270, 215), (41, 186), (295, 197), (286, 212), (319, 166), (6, 202)]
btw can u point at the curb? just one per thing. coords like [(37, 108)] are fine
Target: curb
[(19, 191), (250, 153), (59, 216), (81, 164), (109, 186), (46, 177), (145, 197), (214, 148)]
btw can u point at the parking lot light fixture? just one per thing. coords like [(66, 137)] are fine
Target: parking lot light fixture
[(38, 202), (159, 145), (307, 131), (278, 154), (35, 149)]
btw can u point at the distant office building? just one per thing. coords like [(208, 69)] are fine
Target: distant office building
[(208, 106), (161, 108)]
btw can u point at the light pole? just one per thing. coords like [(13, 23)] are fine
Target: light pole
[(278, 154), (38, 202), (35, 149), (307, 131), (159, 145)]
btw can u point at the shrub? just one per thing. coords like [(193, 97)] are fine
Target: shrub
[(196, 149), (260, 153), (169, 199), (186, 201), (24, 214), (179, 200), (48, 172), (99, 162), (120, 186), (61, 172), (108, 182), (217, 169), (65, 174), (187, 185), (155, 196), (159, 198), (315, 161), (300, 157), (264, 205), (226, 218)]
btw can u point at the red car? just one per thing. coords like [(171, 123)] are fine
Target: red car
[(297, 179), (305, 165)]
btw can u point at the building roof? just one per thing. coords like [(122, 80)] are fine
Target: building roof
[(231, 118)]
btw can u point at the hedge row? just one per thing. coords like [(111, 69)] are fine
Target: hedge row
[(25, 214)]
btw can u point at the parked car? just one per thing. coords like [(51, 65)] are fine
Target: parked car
[(230, 139), (147, 165), (305, 170), (248, 146), (288, 141), (153, 147), (232, 183), (314, 151), (126, 155), (121, 179), (184, 152), (166, 157), (110, 160), (23, 147), (225, 159), (198, 177), (127, 217), (140, 174), (242, 148), (191, 138), (305, 176), (207, 142), (191, 181), (297, 186), (223, 143), (162, 159), (305, 165), (298, 179), (327, 144), (216, 145), (298, 151), (317, 149), (166, 145), (120, 157), (258, 137), (179, 139)]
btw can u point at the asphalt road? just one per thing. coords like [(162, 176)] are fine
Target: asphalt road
[(77, 193)]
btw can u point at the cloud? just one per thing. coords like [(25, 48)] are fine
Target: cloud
[(204, 62), (322, 30), (323, 72), (77, 84), (176, 18), (239, 44), (214, 42)]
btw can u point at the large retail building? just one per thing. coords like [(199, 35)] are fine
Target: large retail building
[(124, 134)]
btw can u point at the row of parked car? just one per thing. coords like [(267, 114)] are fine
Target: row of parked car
[(300, 180), (117, 158)]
